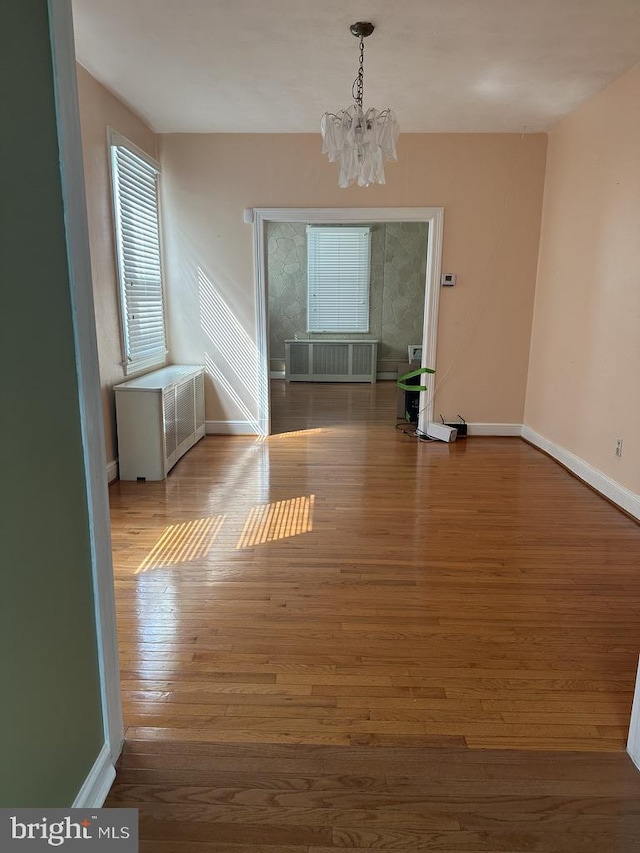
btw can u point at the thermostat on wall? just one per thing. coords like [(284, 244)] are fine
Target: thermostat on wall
[(448, 279)]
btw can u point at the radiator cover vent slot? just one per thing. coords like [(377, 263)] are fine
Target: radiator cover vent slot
[(362, 359), (299, 359), (331, 360)]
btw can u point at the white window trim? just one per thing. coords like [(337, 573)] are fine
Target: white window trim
[(130, 367)]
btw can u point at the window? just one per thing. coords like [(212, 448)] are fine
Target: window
[(338, 263), (135, 202)]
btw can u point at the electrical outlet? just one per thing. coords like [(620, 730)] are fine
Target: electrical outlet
[(618, 447)]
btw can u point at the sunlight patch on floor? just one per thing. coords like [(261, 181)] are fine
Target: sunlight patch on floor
[(296, 432), (277, 520), (182, 543)]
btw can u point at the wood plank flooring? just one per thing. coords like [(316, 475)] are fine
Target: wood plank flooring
[(345, 584), (341, 639), (229, 798)]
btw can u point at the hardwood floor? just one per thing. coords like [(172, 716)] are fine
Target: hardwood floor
[(350, 585), (226, 798), (313, 405), (341, 584)]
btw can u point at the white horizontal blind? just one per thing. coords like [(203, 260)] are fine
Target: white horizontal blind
[(338, 267), (135, 188)]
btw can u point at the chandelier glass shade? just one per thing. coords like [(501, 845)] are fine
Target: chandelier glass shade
[(360, 141)]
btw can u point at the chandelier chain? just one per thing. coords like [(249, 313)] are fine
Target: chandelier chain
[(358, 83)]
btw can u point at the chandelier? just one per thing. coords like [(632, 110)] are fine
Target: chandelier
[(360, 141)]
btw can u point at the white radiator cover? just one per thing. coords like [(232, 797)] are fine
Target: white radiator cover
[(160, 416), (330, 361)]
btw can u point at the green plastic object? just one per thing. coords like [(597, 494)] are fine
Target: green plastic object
[(410, 375)]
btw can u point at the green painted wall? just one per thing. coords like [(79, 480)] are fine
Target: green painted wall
[(50, 716)]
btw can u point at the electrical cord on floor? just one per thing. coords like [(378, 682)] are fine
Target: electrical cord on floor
[(421, 436), (401, 426)]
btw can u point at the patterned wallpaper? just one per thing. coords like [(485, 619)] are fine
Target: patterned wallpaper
[(396, 308)]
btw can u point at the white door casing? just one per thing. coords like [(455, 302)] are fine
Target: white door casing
[(433, 216)]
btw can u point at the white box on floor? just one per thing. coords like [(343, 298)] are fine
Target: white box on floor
[(442, 432)]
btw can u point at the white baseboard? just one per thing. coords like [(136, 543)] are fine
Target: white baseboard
[(494, 429), (276, 374), (251, 428), (233, 428), (112, 470), (98, 783), (621, 496), (633, 743)]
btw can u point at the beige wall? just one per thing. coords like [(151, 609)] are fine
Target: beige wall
[(490, 186), (583, 388), (99, 109)]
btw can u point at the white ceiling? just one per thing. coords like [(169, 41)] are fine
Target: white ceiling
[(277, 65)]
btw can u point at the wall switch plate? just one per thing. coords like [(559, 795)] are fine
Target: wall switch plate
[(448, 279)]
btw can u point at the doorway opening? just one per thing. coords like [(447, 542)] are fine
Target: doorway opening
[(266, 219)]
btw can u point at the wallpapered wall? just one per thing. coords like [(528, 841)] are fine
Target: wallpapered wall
[(396, 306)]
